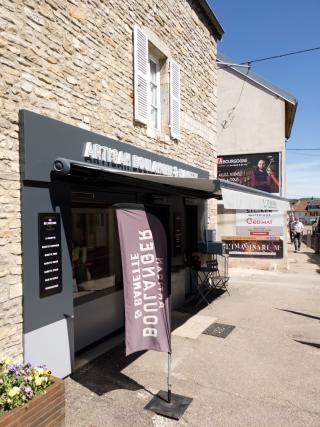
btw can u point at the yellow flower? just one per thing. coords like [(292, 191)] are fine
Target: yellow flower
[(14, 391), (40, 371), (38, 381), (6, 361)]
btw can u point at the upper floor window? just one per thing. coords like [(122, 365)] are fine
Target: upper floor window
[(154, 94), (149, 104)]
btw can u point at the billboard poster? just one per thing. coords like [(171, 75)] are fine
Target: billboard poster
[(242, 246), (144, 257), (260, 171), (259, 223)]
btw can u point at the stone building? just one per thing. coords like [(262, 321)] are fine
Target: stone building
[(141, 74), (254, 123)]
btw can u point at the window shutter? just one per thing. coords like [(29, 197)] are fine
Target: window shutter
[(174, 100), (140, 58)]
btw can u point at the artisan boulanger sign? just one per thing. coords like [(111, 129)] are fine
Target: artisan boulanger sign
[(242, 246), (44, 140), (144, 260), (107, 156)]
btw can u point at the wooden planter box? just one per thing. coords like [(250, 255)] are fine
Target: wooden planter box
[(47, 409)]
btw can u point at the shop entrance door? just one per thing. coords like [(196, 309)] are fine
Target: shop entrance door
[(191, 233)]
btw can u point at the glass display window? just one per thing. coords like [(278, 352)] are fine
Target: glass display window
[(96, 260)]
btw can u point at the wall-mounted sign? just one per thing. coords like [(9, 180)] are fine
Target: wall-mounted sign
[(107, 156), (177, 234), (259, 223), (260, 171), (50, 271), (76, 144), (242, 246)]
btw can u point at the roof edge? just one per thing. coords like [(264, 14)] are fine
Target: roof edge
[(212, 18), (290, 100), (256, 78), (292, 117)]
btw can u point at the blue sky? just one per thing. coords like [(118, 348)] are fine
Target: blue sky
[(260, 28)]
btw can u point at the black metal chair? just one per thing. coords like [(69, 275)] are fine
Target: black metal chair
[(209, 279)]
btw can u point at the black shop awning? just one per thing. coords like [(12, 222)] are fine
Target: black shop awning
[(233, 196)]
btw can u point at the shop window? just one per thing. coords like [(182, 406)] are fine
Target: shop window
[(95, 252)]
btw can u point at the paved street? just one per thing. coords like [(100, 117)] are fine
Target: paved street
[(265, 373)]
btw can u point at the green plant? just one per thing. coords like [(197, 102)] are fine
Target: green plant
[(20, 383)]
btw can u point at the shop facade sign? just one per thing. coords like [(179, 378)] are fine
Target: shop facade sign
[(50, 269), (242, 246), (73, 143), (260, 171), (259, 223), (107, 156)]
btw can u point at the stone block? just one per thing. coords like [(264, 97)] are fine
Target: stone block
[(15, 290), (27, 87)]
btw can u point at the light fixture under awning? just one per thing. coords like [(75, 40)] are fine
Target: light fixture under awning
[(234, 196)]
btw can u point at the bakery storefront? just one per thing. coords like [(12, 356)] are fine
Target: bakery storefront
[(72, 274), (72, 280)]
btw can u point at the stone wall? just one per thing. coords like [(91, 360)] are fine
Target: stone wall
[(73, 61)]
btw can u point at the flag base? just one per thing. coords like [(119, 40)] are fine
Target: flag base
[(175, 409)]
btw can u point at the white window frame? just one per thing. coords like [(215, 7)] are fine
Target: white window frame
[(156, 62)]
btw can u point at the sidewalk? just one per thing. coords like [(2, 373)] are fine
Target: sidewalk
[(265, 373)]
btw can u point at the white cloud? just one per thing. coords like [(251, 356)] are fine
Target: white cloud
[(303, 179)]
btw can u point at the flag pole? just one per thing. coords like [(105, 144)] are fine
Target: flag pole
[(169, 377)]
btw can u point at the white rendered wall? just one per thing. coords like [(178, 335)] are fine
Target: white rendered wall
[(251, 119)]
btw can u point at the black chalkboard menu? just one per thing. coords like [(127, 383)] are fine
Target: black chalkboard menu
[(50, 268), (177, 234)]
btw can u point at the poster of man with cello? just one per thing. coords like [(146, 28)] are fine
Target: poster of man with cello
[(260, 171)]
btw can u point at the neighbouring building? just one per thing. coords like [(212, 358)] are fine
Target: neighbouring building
[(307, 210), (83, 85), (255, 119), (299, 209), (313, 209)]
